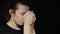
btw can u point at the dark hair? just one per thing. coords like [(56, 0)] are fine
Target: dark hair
[(12, 5)]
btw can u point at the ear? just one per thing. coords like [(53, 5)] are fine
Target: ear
[(11, 12)]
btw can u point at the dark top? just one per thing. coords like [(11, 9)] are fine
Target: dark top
[(5, 29)]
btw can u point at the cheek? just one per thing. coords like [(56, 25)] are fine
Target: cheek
[(18, 18)]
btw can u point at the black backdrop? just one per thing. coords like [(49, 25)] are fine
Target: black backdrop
[(45, 13)]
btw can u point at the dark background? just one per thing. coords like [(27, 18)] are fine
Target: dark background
[(45, 13)]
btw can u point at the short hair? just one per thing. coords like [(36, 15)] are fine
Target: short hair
[(13, 3)]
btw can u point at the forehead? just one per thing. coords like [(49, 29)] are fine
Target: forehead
[(22, 7)]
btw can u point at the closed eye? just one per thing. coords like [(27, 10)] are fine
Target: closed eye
[(23, 13)]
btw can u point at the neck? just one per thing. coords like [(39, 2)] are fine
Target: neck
[(12, 24)]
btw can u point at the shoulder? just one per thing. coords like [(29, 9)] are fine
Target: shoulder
[(2, 27)]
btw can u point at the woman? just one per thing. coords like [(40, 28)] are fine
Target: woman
[(20, 16)]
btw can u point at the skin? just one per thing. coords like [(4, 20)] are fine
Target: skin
[(22, 16)]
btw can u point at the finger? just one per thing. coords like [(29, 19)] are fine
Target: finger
[(34, 19), (33, 13), (27, 13)]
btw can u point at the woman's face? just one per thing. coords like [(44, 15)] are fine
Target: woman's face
[(18, 15)]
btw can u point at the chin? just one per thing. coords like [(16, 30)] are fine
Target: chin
[(20, 24)]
